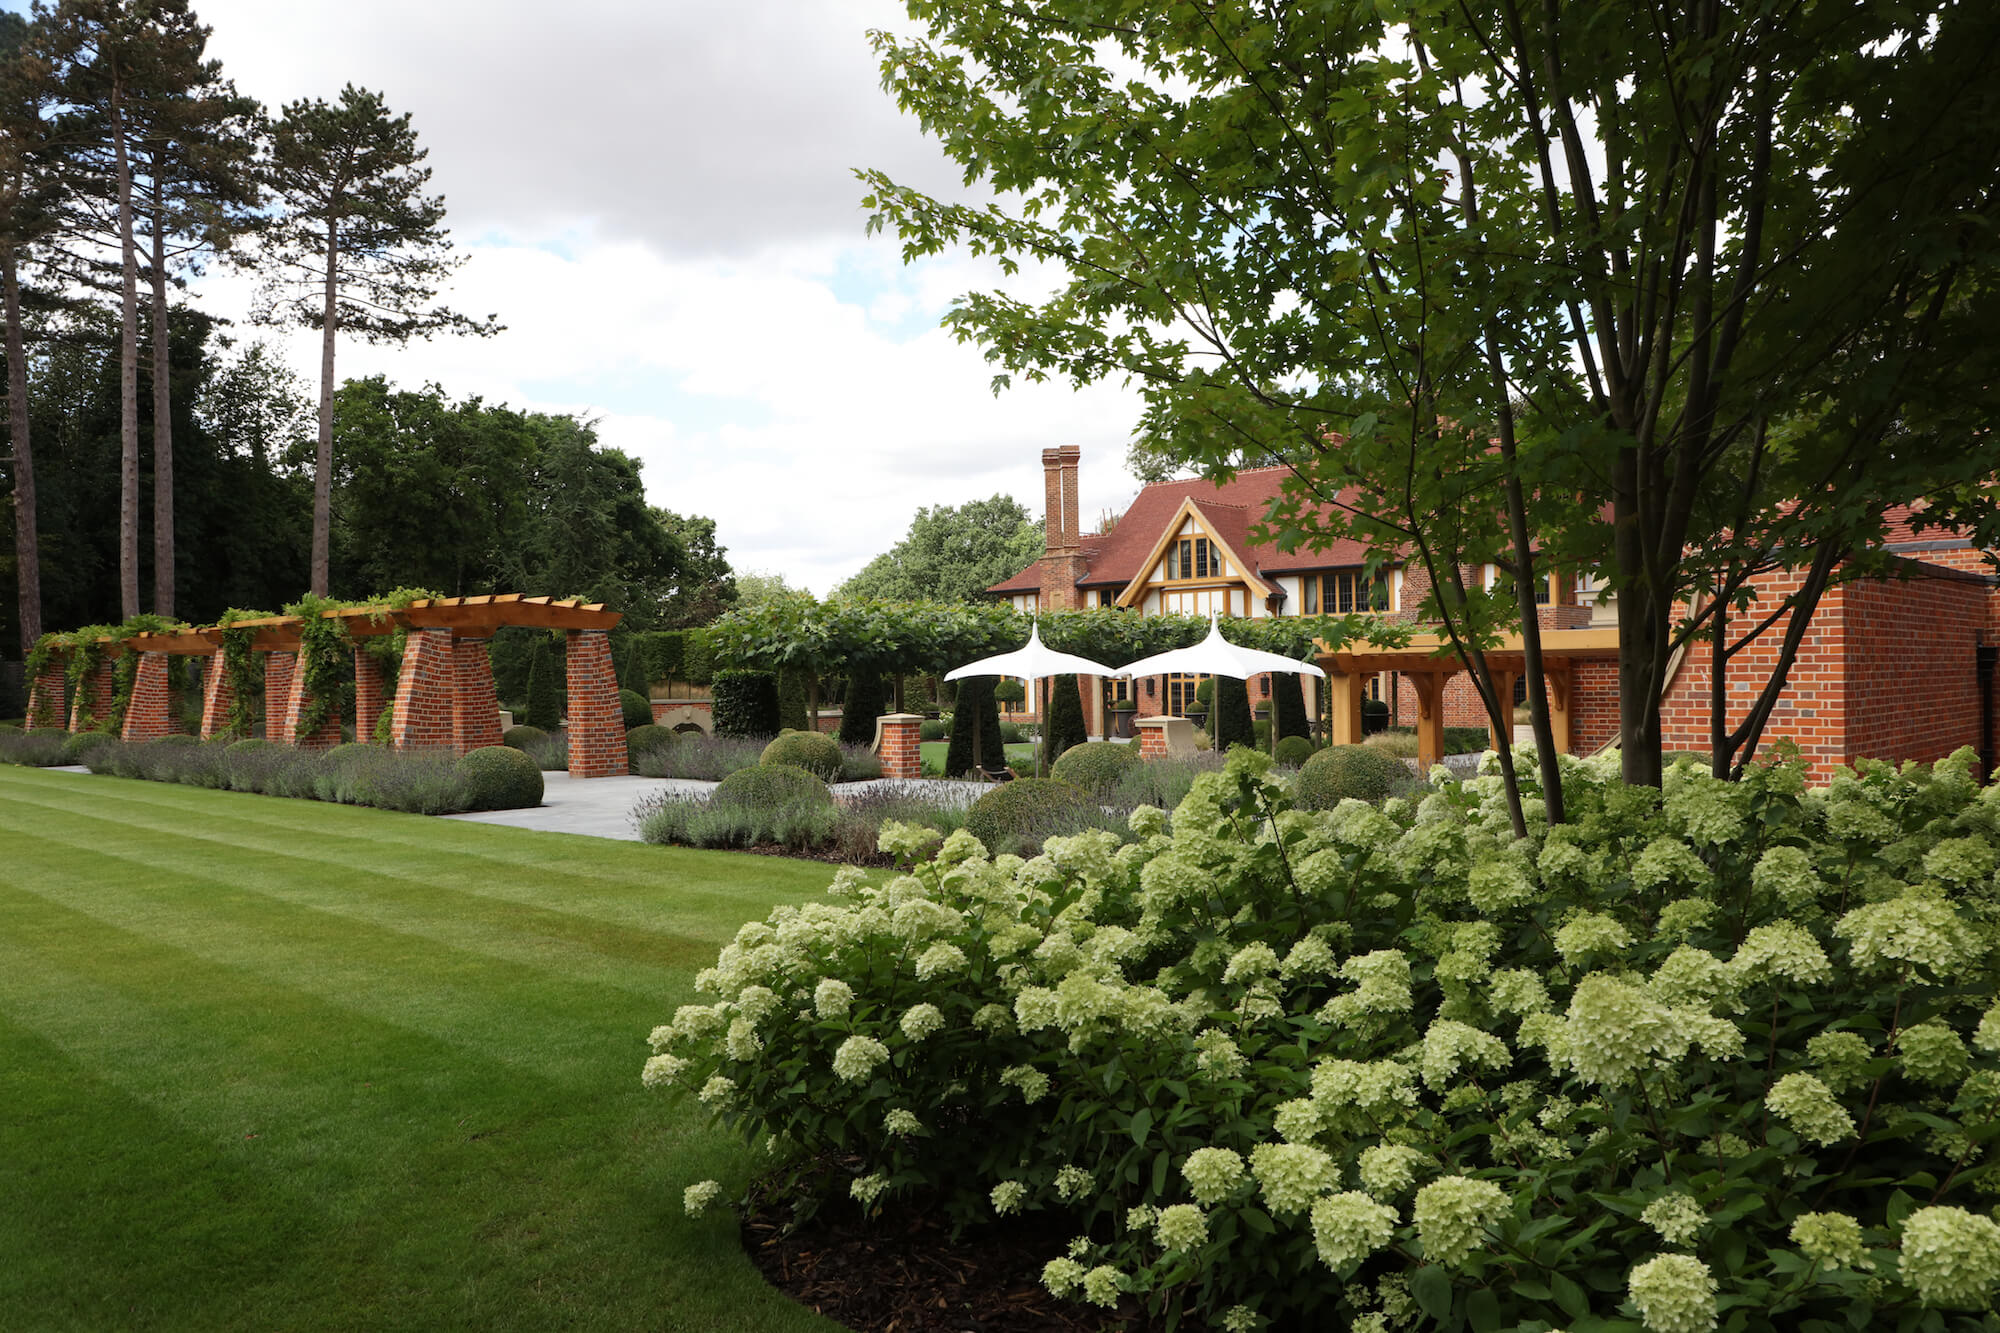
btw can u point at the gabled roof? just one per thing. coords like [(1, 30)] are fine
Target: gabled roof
[(1227, 525), (1113, 559)]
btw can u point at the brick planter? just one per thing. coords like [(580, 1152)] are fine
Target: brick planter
[(901, 733)]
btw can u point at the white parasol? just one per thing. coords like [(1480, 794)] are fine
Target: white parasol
[(1217, 656), (1033, 661)]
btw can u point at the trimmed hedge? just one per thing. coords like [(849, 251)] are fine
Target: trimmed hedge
[(975, 708), (498, 777), (793, 703), (637, 712), (1294, 751), (746, 703), (179, 738), (644, 739), (544, 702), (1340, 772), (1095, 766), (861, 708), (815, 753), (1019, 816), (77, 748), (1288, 704), (1230, 723), (1066, 728), (771, 785), (523, 736)]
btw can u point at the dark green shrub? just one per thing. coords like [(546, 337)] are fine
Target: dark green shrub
[(935, 729), (1019, 816), (523, 736), (645, 739), (1467, 740), (1007, 690), (1065, 727), (1095, 766), (178, 738), (1013, 733), (1230, 723), (1362, 772), (862, 706), (1293, 751), (1288, 704), (792, 701), (250, 744), (815, 753), (977, 718), (698, 658), (544, 704), (39, 748), (498, 777), (1263, 729), (351, 752), (1374, 716), (9, 729), (770, 786), (1204, 693), (746, 703), (76, 750), (632, 673), (636, 710)]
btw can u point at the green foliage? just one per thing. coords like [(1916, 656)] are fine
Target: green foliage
[(934, 729), (1017, 816), (665, 651), (498, 777), (243, 669), (1293, 751), (1204, 693), (746, 703), (35, 749), (323, 660), (1343, 772), (771, 786), (1396, 1055), (177, 738), (250, 745), (632, 672), (78, 748), (793, 703), (698, 657), (1095, 766), (544, 708), (636, 710), (813, 751), (952, 555), (1007, 690), (861, 708), (976, 715), (522, 737), (643, 740), (1229, 722), (1065, 725), (1288, 704)]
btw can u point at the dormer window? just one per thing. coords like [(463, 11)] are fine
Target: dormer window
[(1193, 558), (1343, 592)]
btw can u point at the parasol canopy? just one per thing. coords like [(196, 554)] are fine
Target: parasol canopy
[(1217, 656), (1032, 662)]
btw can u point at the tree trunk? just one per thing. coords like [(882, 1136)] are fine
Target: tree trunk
[(27, 539), (163, 424), (1641, 638), (323, 460), (128, 373)]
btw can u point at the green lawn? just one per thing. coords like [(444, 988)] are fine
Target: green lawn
[(931, 754), (272, 1064)]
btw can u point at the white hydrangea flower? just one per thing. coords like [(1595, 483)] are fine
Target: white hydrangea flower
[(1915, 929), (1032, 1082), (901, 1120), (718, 1091), (1217, 1055), (1310, 957), (1675, 1294), (1684, 916), (695, 1021), (1840, 1057), (1072, 1183), (1349, 1227), (1389, 1169), (1951, 1256), (661, 1037), (993, 1018), (1240, 1319), (1291, 1175), (1807, 1106), (1180, 1226), (1008, 1196), (921, 1020), (1449, 1044), (1677, 1217), (1103, 1285), (1831, 1239), (1357, 1093), (1960, 862), (1452, 1213), (906, 841), (696, 1198), (1781, 949), (1612, 1029), (864, 1190), (1590, 933), (742, 1043), (1517, 991), (1062, 1276), (1299, 1120), (832, 998), (1692, 976), (1787, 874), (1501, 881), (1987, 1035), (1932, 1053), (1251, 962), (857, 1057), (1669, 862), (941, 959), (662, 1070), (1211, 1173)]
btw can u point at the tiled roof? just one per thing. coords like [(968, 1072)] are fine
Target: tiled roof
[(1231, 509)]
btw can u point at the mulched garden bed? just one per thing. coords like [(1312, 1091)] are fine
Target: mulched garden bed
[(903, 1273)]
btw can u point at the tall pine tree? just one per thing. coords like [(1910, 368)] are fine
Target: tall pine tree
[(358, 247)]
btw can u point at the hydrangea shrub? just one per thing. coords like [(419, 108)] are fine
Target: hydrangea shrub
[(1713, 1056)]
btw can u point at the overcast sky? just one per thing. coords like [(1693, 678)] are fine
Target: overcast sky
[(658, 201)]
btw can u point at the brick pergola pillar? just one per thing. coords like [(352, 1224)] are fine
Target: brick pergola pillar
[(475, 708), (901, 734), (596, 723), (278, 669), (297, 700), (45, 698), (149, 712), (93, 695), (369, 680), (218, 698), (424, 690)]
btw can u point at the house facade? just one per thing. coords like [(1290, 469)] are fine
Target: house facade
[(1896, 668)]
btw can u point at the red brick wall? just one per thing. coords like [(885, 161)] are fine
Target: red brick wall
[(369, 682), (45, 698), (297, 701), (218, 696), (424, 688), (1593, 705), (899, 754), (93, 695), (278, 669), (475, 715), (148, 713), (596, 724)]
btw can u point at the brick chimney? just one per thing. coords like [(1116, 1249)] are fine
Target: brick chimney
[(1064, 562)]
